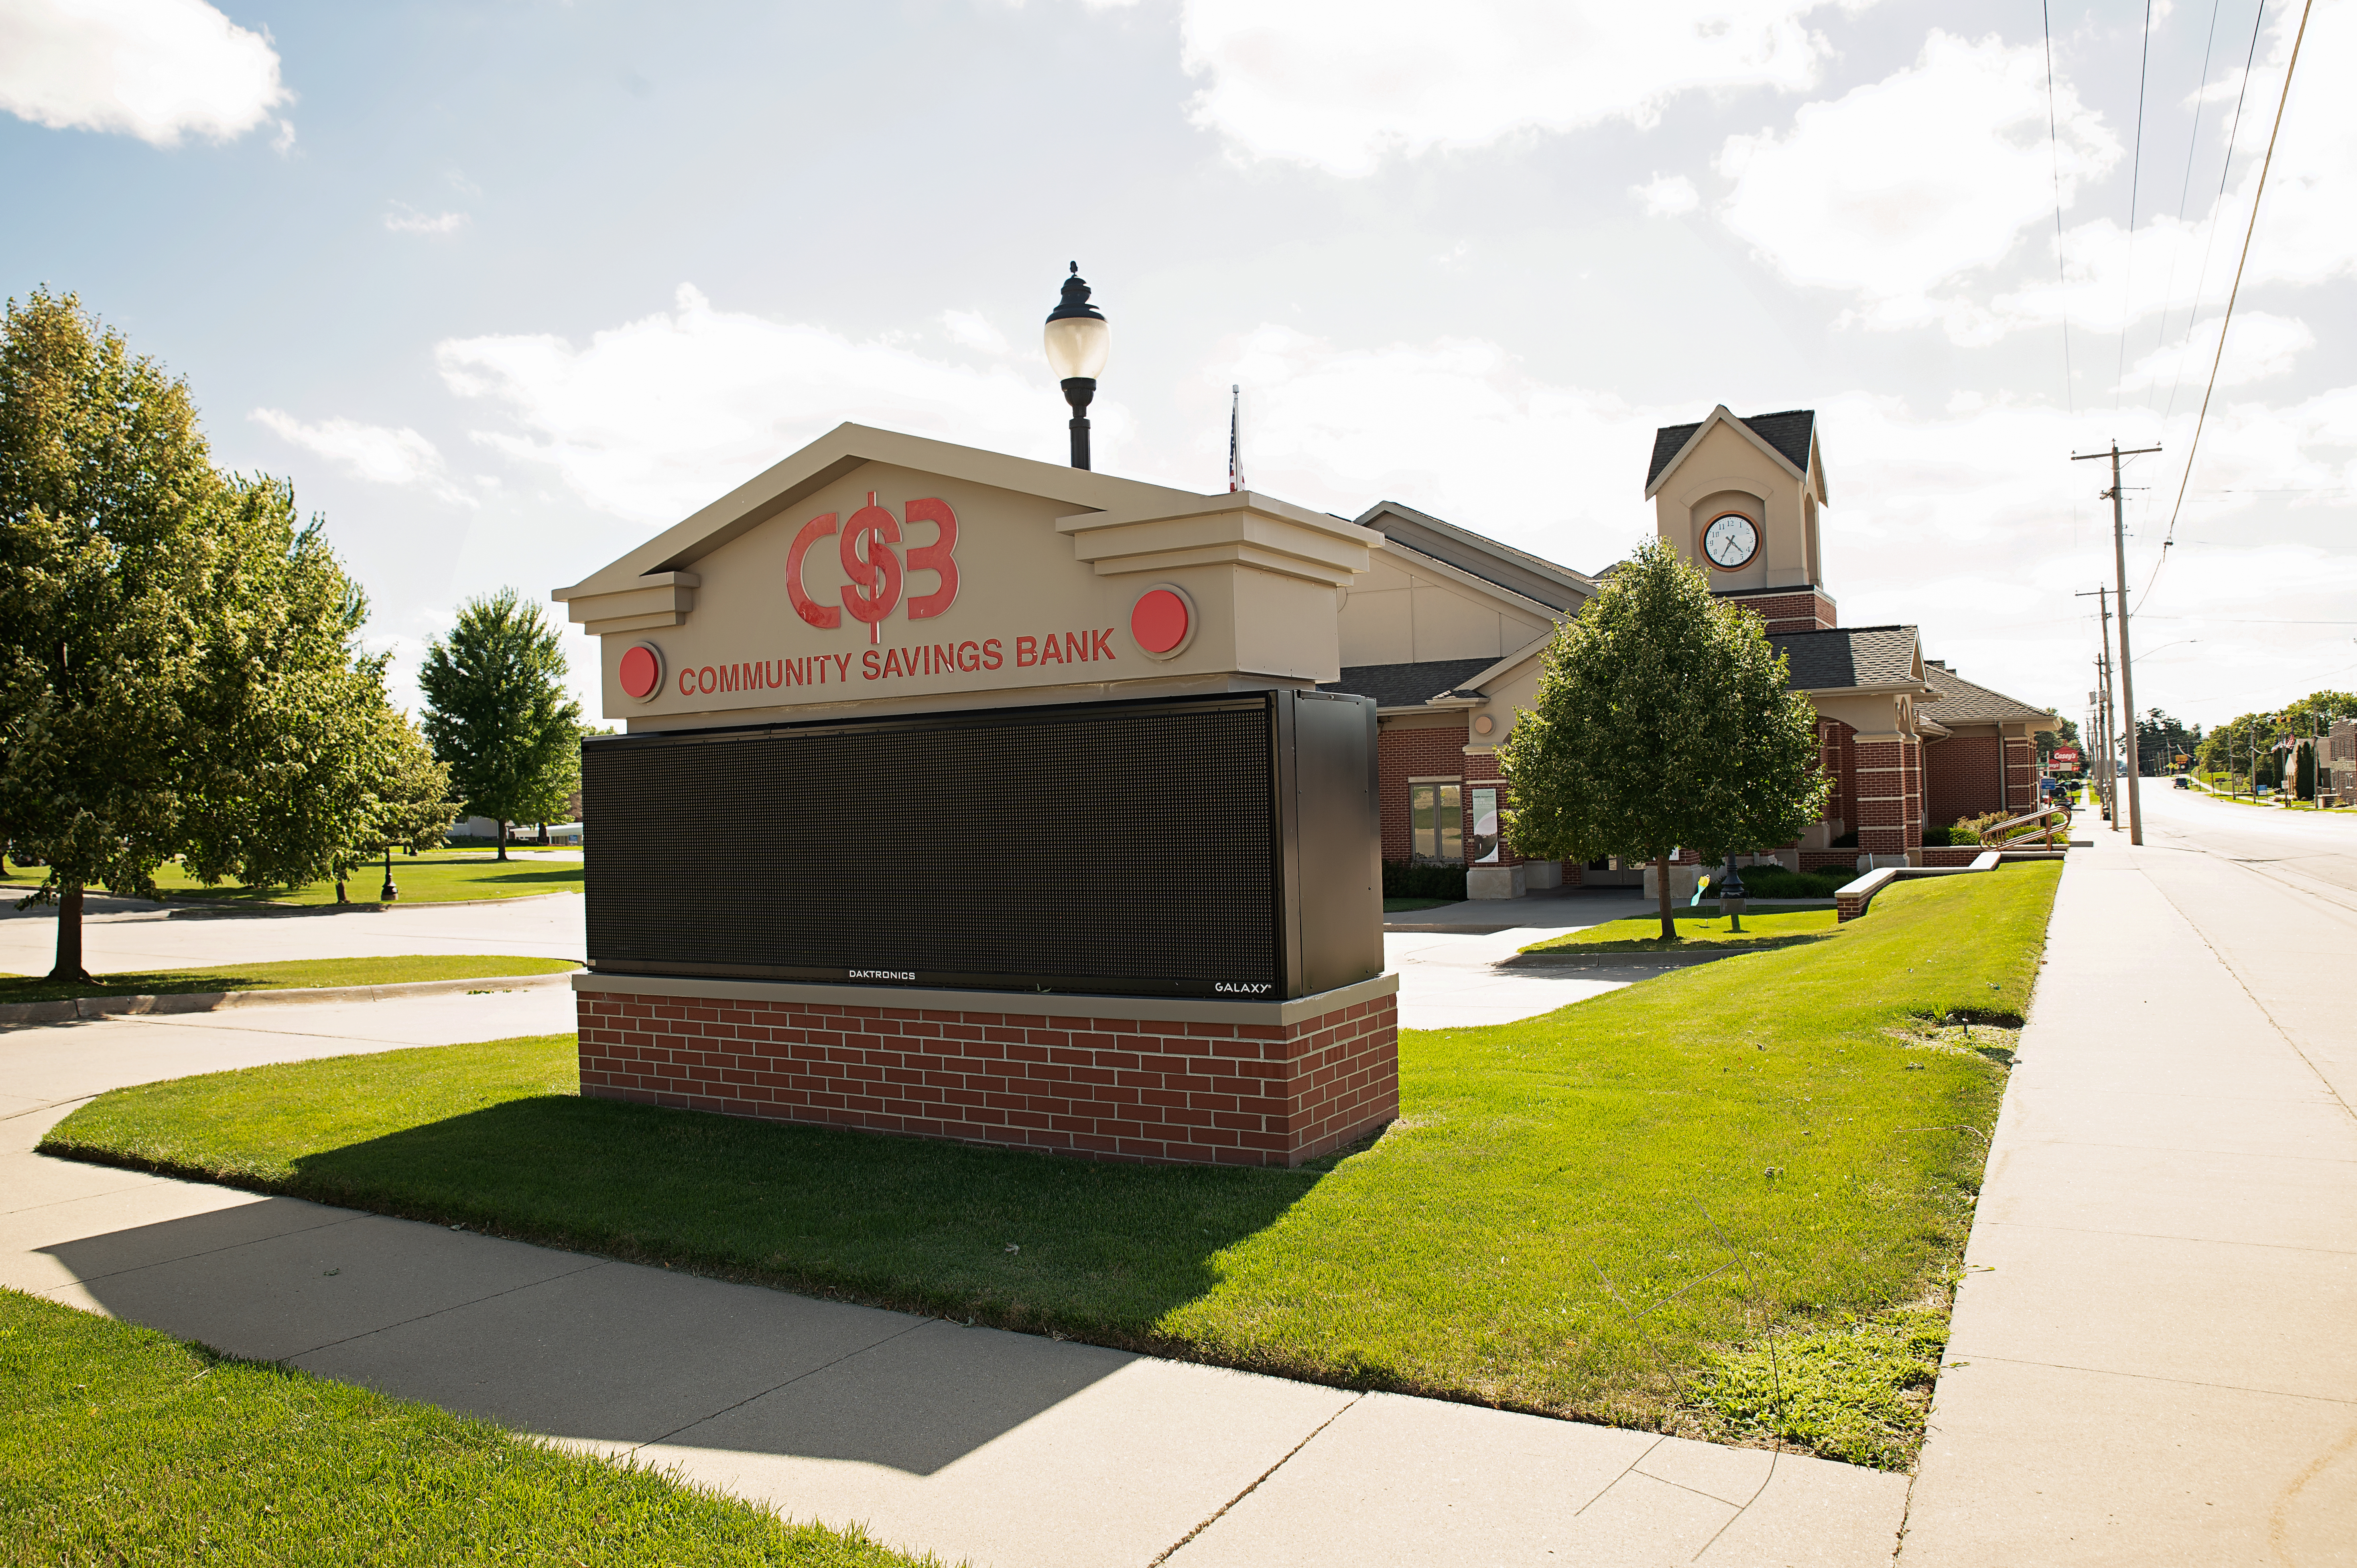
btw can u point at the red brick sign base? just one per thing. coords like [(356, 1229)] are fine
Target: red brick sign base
[(1103, 1087)]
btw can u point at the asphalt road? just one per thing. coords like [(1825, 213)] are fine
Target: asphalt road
[(2309, 852)]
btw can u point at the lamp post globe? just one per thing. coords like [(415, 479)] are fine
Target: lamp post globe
[(1078, 341)]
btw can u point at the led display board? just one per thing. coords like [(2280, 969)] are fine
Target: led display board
[(1196, 846)]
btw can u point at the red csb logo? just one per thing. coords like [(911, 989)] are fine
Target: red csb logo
[(876, 570)]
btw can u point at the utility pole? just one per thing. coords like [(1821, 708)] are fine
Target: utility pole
[(2128, 669), (2106, 775)]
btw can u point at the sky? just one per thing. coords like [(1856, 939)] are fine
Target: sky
[(507, 288)]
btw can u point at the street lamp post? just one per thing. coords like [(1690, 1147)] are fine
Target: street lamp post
[(1078, 340)]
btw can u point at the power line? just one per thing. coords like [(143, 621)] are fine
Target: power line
[(2054, 148), (2217, 207), (2227, 320), (2184, 190), (2135, 177)]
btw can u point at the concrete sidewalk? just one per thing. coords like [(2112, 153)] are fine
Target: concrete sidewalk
[(998, 1448), (2154, 1348)]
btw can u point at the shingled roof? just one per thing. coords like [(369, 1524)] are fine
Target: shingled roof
[(1787, 432), (1406, 685), (1955, 700), (1847, 656)]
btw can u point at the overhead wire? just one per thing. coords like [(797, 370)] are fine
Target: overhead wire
[(2225, 321), (2054, 149), (2136, 179), (2184, 190), (2218, 208)]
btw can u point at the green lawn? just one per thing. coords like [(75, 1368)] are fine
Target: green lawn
[(1581, 1214), (302, 973), (432, 878), (121, 1445), (1643, 934)]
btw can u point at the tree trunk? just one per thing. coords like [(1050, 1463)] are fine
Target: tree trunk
[(503, 838), (68, 970), (1662, 883)]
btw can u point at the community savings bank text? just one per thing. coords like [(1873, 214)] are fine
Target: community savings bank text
[(925, 659)]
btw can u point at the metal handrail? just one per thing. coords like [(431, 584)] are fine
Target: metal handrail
[(1997, 835)]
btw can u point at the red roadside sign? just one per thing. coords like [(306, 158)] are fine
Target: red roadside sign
[(2066, 757)]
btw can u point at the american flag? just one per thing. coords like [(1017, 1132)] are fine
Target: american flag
[(1236, 459)]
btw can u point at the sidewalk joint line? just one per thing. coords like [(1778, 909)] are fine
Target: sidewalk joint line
[(798, 1377), (1635, 1461), (477, 1301), (2164, 1235), (1774, 1455), (209, 1252), (1222, 1513), (2156, 1378)]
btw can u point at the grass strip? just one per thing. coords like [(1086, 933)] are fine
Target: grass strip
[(1643, 934), (1571, 1215), (301, 973), (121, 1445), (435, 878)]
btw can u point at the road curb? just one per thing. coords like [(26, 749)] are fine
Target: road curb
[(73, 1009)]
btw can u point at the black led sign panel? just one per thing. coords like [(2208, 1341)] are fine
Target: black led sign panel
[(1142, 848)]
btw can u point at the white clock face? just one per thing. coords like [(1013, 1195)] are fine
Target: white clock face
[(1730, 541)]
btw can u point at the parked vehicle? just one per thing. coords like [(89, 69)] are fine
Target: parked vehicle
[(2183, 782)]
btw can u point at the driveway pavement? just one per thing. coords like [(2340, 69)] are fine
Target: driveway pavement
[(999, 1448), (2154, 1349)]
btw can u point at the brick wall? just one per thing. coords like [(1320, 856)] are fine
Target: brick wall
[(1402, 753), (1803, 609), (1099, 1086), (1889, 799), (1964, 777)]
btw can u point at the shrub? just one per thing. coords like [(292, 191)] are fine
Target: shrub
[(1775, 882), (1422, 879), (1968, 830)]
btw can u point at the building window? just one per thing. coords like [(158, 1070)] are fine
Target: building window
[(1435, 814)]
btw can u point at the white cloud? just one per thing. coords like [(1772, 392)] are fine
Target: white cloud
[(409, 220), (156, 70), (974, 329), (2261, 345), (659, 416), (1667, 196), (1897, 188), (376, 453), (1341, 86)]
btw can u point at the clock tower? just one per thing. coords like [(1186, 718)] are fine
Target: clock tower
[(1739, 498)]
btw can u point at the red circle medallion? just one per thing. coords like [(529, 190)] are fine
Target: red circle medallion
[(1158, 621), (641, 671)]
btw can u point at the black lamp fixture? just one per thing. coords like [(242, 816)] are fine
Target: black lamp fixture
[(1078, 341), (1731, 895)]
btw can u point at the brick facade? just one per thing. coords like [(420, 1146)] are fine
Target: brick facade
[(1404, 753), (1964, 777), (1786, 609), (1889, 796), (1094, 1083)]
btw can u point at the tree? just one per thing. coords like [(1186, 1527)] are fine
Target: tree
[(1662, 719), (2065, 733), (2304, 770), (498, 713), (2161, 740), (178, 667), (105, 488)]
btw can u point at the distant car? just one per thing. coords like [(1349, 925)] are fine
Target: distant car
[(2183, 782)]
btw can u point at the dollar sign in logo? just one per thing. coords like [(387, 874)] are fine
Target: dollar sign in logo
[(873, 570)]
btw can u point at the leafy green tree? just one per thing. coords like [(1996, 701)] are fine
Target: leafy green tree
[(2316, 713), (1662, 719), (2161, 740), (2065, 733), (106, 495), (498, 713), (2304, 770), (178, 667)]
